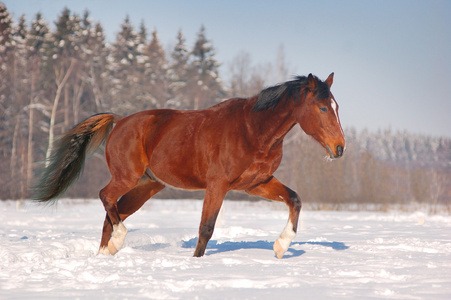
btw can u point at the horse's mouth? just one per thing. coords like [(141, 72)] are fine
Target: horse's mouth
[(329, 151)]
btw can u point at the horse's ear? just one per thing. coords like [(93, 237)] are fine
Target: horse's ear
[(311, 85), (311, 81), (330, 79)]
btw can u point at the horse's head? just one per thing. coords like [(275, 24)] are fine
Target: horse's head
[(318, 115), (312, 105)]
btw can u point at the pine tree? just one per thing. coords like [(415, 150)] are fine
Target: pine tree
[(178, 74), (85, 84), (98, 68), (142, 37), (125, 49), (157, 73), (68, 39), (204, 82), (20, 96), (18, 61), (142, 69), (13, 74), (67, 35), (65, 53), (125, 71), (9, 118), (5, 33), (37, 43), (6, 49), (142, 55)]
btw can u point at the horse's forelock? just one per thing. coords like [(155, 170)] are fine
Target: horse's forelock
[(322, 90)]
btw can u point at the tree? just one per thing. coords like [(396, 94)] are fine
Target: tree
[(37, 42), (204, 82), (65, 52), (5, 32), (155, 75), (60, 82), (240, 69), (6, 49), (124, 69), (19, 92), (98, 69), (245, 79), (282, 71), (12, 72), (51, 79), (178, 74)]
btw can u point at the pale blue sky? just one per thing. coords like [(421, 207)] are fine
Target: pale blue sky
[(392, 59)]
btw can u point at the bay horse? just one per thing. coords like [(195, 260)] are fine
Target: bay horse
[(234, 145)]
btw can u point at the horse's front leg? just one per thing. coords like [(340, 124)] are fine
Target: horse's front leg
[(214, 196), (274, 190)]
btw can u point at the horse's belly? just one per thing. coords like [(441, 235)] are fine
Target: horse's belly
[(177, 171), (180, 182)]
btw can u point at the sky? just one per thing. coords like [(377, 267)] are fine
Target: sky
[(391, 59)]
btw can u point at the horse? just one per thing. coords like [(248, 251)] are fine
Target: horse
[(233, 145)]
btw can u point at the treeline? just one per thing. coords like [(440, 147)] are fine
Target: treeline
[(382, 168), (53, 79)]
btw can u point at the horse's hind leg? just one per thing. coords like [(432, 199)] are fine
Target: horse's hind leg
[(126, 206), (109, 196), (123, 181), (274, 190)]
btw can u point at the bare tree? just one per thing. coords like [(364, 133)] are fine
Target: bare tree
[(246, 79), (282, 71), (440, 182), (61, 77)]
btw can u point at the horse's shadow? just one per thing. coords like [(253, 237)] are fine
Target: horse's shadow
[(214, 247)]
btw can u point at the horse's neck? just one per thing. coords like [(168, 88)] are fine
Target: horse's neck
[(271, 126)]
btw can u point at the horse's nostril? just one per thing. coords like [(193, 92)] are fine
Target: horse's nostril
[(339, 150)]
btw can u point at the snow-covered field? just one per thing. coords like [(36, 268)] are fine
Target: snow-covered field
[(51, 253)]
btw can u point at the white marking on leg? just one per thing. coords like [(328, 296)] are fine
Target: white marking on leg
[(117, 238), (104, 251), (281, 245)]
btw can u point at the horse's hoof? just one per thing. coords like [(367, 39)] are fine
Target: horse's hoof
[(278, 249), (111, 248), (104, 251), (117, 238)]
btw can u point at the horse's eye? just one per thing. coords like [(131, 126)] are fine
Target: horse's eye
[(323, 109)]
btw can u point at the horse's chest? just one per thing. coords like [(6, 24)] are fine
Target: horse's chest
[(259, 170), (266, 166)]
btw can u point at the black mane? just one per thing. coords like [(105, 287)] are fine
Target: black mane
[(270, 97)]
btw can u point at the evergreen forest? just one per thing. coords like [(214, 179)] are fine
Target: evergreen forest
[(53, 77)]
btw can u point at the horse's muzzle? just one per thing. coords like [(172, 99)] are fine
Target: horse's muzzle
[(339, 151)]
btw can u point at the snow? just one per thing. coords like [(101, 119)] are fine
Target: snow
[(51, 253)]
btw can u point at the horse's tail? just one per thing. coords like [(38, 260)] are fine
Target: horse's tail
[(66, 161)]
